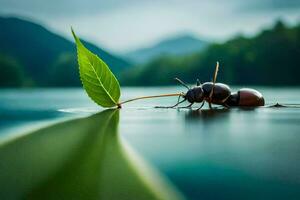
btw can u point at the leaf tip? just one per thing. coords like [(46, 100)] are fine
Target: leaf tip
[(74, 35)]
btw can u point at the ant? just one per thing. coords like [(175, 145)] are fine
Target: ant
[(219, 94)]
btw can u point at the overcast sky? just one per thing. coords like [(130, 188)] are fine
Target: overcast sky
[(122, 25)]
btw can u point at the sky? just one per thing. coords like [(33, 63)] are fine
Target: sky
[(124, 25)]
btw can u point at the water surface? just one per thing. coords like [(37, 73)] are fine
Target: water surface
[(222, 154)]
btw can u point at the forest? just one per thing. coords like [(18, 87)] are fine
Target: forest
[(270, 58)]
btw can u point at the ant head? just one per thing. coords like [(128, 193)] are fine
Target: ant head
[(195, 95)]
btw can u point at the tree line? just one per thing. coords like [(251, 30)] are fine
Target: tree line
[(270, 58)]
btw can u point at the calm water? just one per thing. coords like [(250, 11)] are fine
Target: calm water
[(223, 154)]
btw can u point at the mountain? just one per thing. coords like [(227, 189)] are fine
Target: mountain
[(39, 51), (180, 45), (269, 58)]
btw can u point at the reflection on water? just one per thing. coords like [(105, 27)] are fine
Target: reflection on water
[(238, 153), (206, 114), (232, 153), (79, 159)]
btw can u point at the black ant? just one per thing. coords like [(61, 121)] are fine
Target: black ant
[(213, 93), (218, 93)]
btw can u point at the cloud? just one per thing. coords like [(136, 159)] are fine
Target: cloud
[(80, 7), (121, 25), (66, 7)]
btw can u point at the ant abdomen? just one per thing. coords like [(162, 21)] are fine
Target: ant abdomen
[(246, 97)]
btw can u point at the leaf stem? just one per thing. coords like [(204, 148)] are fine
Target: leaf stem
[(148, 97)]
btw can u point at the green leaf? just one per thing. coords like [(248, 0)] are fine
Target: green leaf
[(98, 81)]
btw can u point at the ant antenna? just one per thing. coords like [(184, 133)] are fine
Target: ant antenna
[(214, 80), (182, 83), (216, 73)]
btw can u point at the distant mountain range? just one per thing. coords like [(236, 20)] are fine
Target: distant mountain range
[(269, 58), (176, 46), (42, 53), (31, 55)]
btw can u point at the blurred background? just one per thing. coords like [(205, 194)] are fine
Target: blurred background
[(238, 153), (148, 43)]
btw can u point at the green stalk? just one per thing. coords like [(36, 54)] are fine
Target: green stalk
[(148, 97)]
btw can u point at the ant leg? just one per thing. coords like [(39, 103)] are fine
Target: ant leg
[(201, 105), (189, 106), (209, 104), (225, 105), (176, 104), (171, 106)]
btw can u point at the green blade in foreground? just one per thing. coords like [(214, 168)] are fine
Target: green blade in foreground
[(98, 81), (79, 159)]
